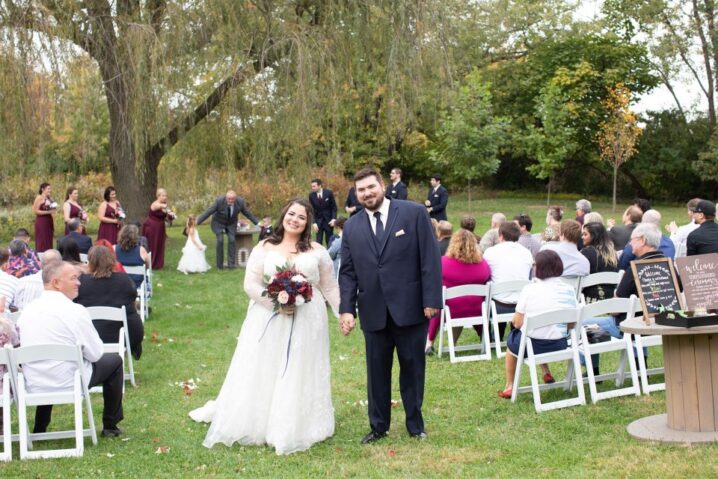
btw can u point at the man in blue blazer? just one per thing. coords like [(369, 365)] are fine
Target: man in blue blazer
[(84, 242), (437, 199), (391, 267), (325, 211), (397, 189)]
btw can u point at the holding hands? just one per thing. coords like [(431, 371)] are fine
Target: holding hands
[(346, 323)]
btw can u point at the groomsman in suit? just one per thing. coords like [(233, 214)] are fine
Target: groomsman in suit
[(325, 211), (397, 189), (437, 199), (225, 211), (391, 267), (352, 205)]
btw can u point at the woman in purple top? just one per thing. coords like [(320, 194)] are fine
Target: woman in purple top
[(44, 207), (462, 264), (110, 215)]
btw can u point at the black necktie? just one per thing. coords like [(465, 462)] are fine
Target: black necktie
[(229, 211), (379, 227)]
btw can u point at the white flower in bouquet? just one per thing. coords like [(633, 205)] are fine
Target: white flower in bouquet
[(298, 278), (283, 297), (83, 215), (299, 300), (53, 205), (121, 213)]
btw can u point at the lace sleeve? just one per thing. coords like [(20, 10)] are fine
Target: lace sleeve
[(254, 277), (327, 282)]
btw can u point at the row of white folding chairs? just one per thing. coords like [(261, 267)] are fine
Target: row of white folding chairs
[(578, 345), (143, 291), (13, 381)]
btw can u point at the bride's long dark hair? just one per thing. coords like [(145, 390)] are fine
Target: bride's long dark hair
[(305, 239)]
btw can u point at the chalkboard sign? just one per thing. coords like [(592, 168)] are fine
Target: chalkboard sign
[(657, 285), (699, 276)]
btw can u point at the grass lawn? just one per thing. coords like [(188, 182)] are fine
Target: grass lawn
[(472, 433)]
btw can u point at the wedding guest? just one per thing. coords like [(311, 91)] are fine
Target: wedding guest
[(110, 214), (445, 229), (397, 189), (598, 250), (118, 266), (352, 205), (8, 336), (666, 246), (101, 286), (325, 210), (642, 203), (44, 208), (547, 294), (583, 207), (704, 239), (621, 234), (468, 223), (554, 216), (155, 230), (72, 209), (491, 237), (8, 282), (593, 217), (573, 262), (679, 235), (462, 264), (193, 259), (265, 228), (129, 252), (83, 241), (54, 319), (70, 252), (21, 262), (335, 250), (30, 287), (437, 199), (24, 235), (526, 239)]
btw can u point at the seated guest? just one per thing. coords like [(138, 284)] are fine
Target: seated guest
[(143, 239), (526, 239), (445, 230), (70, 253), (461, 265), (554, 215), (8, 335), (335, 249), (129, 252), (679, 235), (574, 263), (468, 223), (593, 217), (24, 235), (704, 239), (84, 242), (547, 294), (666, 247), (583, 207), (54, 319), (598, 250), (491, 237), (508, 261), (8, 282), (31, 287), (645, 240), (642, 203), (103, 287), (621, 234), (118, 266), (22, 261)]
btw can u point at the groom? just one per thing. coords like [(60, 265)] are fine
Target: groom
[(391, 266), (225, 211)]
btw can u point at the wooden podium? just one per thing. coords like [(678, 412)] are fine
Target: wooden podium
[(244, 239), (690, 357)]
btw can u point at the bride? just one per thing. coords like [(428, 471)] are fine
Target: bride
[(277, 391)]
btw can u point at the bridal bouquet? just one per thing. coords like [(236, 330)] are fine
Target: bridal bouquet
[(287, 288)]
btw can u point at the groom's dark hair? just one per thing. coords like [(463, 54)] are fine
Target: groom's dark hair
[(366, 173)]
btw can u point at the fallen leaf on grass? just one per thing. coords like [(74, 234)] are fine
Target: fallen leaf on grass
[(154, 337), (155, 439), (338, 449), (394, 403), (343, 358), (392, 453), (125, 439), (162, 450), (109, 454), (159, 285)]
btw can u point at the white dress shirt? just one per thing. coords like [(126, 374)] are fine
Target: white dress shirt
[(680, 237), (8, 287), (28, 288), (383, 212), (54, 319), (509, 261)]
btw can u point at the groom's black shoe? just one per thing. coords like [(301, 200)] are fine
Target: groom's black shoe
[(372, 436)]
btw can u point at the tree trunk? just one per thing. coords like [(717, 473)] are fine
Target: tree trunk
[(548, 190), (468, 186), (615, 184)]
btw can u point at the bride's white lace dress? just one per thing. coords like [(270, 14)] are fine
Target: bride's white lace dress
[(260, 402)]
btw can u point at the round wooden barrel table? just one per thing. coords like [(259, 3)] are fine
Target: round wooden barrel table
[(244, 239), (690, 357)]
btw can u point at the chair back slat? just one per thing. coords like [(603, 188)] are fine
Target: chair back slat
[(508, 286), (46, 352), (465, 290), (604, 277), (549, 318), (107, 313)]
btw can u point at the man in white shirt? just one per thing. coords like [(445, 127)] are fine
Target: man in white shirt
[(509, 261), (31, 287), (574, 263), (54, 319), (679, 234), (8, 282)]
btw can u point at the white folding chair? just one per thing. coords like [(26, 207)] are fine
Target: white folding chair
[(148, 278), (83, 258), (52, 352), (496, 319), (605, 277), (568, 317), (629, 306), (140, 270), (8, 387), (122, 347), (447, 323), (575, 282), (641, 342)]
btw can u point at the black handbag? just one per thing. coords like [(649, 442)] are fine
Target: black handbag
[(597, 335)]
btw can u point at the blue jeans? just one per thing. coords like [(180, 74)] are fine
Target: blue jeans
[(609, 324)]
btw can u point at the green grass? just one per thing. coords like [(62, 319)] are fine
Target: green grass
[(472, 433)]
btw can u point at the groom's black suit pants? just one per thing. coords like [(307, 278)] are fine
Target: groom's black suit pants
[(409, 342)]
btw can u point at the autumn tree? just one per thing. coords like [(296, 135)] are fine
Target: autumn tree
[(619, 131)]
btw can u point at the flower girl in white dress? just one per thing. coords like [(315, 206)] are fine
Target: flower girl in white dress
[(193, 260)]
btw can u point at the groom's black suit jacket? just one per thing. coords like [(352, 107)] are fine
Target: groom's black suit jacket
[(402, 275)]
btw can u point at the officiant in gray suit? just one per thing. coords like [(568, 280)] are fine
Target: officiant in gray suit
[(225, 211)]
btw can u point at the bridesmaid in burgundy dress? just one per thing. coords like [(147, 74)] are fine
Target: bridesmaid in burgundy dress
[(110, 215), (73, 209), (44, 207), (154, 228)]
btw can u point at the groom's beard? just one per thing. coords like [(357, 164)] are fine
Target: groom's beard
[(377, 204)]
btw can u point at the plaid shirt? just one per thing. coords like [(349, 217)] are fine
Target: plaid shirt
[(25, 265)]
